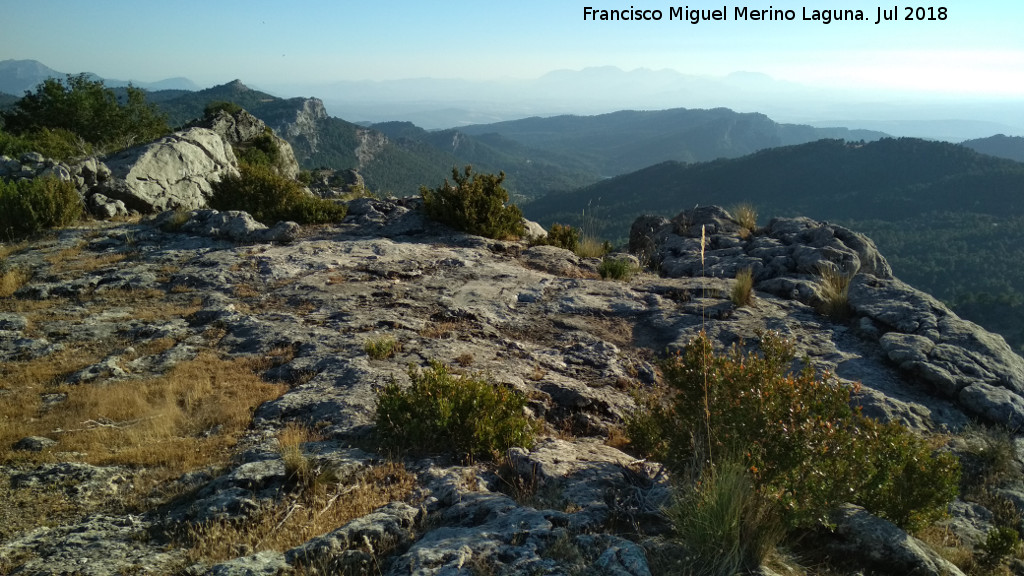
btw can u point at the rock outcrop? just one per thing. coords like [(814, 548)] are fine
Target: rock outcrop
[(241, 128), (536, 319), (920, 336), (171, 173), (174, 172)]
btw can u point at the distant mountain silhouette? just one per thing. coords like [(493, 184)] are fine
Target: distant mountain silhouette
[(1011, 147), (19, 76)]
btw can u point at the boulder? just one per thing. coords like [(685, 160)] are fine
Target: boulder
[(173, 172), (882, 545)]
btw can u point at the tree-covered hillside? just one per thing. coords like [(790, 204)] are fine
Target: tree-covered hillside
[(1000, 145), (950, 220), (531, 173), (830, 179)]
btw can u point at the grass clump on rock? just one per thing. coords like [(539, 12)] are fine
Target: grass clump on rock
[(796, 436), (475, 203), (270, 197), (442, 411), (381, 348), (742, 293)]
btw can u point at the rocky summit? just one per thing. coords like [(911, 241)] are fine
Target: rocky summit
[(110, 306)]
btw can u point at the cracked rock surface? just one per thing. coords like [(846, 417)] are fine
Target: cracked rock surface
[(536, 319)]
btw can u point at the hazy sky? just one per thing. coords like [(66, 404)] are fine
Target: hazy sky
[(978, 49)]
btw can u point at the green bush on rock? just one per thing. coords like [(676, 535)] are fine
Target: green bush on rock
[(270, 197), (796, 433), (441, 412), (474, 204)]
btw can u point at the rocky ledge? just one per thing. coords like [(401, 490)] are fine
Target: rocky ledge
[(538, 319)]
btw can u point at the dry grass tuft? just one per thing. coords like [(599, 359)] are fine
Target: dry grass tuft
[(298, 468), (590, 247), (834, 292), (382, 348), (746, 216), (743, 290), (296, 518), (439, 329), (11, 280)]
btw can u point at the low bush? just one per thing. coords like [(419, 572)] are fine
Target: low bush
[(30, 206), (270, 197), (563, 237), (55, 143), (1000, 542), (260, 151), (743, 290), (475, 203), (441, 412), (616, 269), (797, 434)]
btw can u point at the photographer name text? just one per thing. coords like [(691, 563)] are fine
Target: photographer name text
[(877, 15)]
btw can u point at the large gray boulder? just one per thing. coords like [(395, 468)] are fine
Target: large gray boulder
[(883, 546), (171, 173)]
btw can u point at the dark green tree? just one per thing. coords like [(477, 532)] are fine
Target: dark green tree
[(90, 110)]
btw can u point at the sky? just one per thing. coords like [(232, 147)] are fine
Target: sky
[(977, 50)]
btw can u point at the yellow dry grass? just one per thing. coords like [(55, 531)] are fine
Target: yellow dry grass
[(591, 247), (11, 280), (185, 419), (310, 512)]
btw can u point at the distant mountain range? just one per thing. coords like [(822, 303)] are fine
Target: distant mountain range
[(19, 76), (538, 155), (949, 219), (625, 141)]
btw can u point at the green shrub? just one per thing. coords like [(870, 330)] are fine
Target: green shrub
[(1000, 542), (743, 290), (30, 206), (474, 204), (441, 412), (57, 143), (260, 151), (563, 237), (725, 524), (616, 269), (381, 348), (270, 197), (797, 434)]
